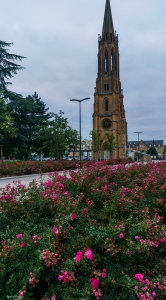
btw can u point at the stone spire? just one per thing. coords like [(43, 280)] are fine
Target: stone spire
[(108, 27)]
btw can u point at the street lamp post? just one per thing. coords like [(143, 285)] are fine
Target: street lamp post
[(138, 132), (80, 117)]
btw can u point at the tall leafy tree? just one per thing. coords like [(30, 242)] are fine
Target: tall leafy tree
[(58, 137), (96, 142), (72, 139), (7, 130), (30, 115), (6, 123), (8, 67), (110, 144)]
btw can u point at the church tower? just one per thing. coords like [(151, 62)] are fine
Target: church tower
[(109, 112)]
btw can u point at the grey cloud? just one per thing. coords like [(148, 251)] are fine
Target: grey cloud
[(59, 39)]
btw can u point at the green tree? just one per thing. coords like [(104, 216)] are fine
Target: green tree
[(58, 137), (30, 115), (96, 142), (110, 144), (6, 123), (7, 66), (7, 130), (72, 139), (152, 151)]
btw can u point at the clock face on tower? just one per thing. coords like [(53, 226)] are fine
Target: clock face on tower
[(106, 124)]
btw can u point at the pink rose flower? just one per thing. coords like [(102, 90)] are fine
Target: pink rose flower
[(139, 276), (74, 216), (19, 235), (61, 186), (79, 256), (30, 281), (56, 231), (121, 235), (21, 293), (60, 277), (95, 283), (88, 254), (22, 244), (103, 275)]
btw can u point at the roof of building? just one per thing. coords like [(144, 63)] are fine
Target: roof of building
[(108, 27), (156, 143)]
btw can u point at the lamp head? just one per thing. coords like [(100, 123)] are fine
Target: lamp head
[(80, 100)]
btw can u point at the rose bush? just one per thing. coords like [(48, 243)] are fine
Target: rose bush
[(100, 234), (15, 168)]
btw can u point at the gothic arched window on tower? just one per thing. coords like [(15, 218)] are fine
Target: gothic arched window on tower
[(112, 57), (106, 87), (106, 62), (106, 104), (116, 71)]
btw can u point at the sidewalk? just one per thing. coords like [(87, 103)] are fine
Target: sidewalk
[(26, 179)]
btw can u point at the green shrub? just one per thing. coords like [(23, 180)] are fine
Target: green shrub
[(99, 234)]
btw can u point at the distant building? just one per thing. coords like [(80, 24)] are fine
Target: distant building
[(143, 146), (86, 146)]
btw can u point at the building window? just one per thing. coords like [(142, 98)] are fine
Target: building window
[(106, 62), (106, 124), (111, 61), (106, 87), (106, 105)]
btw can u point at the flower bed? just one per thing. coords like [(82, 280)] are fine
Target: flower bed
[(15, 168), (100, 234)]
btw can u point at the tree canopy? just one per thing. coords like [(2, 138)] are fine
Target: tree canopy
[(152, 151), (8, 67), (6, 123), (29, 115), (96, 141), (110, 144), (58, 137)]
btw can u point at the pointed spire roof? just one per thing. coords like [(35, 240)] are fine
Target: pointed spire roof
[(108, 27)]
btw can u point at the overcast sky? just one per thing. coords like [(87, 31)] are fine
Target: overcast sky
[(60, 40)]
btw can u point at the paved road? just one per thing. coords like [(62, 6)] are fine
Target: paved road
[(25, 179)]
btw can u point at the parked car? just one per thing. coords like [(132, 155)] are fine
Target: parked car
[(47, 158)]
